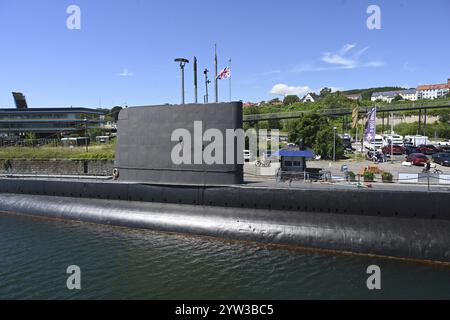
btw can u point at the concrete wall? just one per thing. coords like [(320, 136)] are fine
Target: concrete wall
[(144, 145), (57, 167)]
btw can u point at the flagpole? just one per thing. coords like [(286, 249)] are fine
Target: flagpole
[(230, 81), (216, 85), (195, 80)]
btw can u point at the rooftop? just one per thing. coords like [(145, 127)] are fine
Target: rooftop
[(51, 110)]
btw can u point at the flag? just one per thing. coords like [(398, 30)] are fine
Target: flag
[(355, 117), (371, 125), (224, 74)]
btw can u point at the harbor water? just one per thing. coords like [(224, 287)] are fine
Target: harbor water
[(120, 263)]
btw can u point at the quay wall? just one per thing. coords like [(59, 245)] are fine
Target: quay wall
[(57, 167)]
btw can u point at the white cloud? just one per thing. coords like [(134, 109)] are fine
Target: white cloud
[(285, 90), (344, 58), (269, 73), (125, 73), (373, 64)]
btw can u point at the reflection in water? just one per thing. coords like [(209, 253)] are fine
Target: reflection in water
[(120, 263)]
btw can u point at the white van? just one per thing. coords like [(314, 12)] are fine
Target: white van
[(377, 144), (394, 138), (416, 141)]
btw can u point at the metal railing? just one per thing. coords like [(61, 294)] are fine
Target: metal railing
[(433, 104)]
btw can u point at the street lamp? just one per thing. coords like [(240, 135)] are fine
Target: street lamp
[(183, 63), (334, 144)]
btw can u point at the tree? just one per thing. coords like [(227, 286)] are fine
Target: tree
[(317, 133), (96, 132), (275, 101), (397, 98), (275, 125), (291, 99), (338, 101), (444, 118), (115, 113), (325, 92)]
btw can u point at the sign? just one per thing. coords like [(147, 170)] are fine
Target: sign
[(371, 125)]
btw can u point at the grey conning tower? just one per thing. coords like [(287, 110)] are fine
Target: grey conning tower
[(145, 144)]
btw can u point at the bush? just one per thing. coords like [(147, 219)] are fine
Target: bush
[(369, 177), (387, 177), (352, 176), (289, 100)]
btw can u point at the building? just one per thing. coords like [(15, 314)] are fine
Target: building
[(434, 91), (411, 95), (389, 96), (47, 122), (250, 104), (355, 97), (310, 97)]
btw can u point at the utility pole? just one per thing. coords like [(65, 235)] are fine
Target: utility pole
[(392, 140), (86, 133), (207, 82), (216, 81), (230, 80), (334, 144)]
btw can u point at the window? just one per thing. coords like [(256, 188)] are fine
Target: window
[(288, 163)]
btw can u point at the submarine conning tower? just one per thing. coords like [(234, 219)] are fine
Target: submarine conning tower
[(148, 137)]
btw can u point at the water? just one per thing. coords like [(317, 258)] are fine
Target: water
[(120, 263)]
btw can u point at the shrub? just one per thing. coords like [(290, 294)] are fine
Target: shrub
[(387, 177), (369, 177), (351, 176)]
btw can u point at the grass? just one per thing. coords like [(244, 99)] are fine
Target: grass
[(96, 152)]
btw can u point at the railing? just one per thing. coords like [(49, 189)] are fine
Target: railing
[(434, 104), (425, 179)]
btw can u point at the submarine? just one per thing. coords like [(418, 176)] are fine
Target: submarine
[(152, 191)]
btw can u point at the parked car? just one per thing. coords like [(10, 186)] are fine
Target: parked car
[(428, 149), (410, 150), (442, 159), (418, 159), (445, 143), (444, 149), (395, 149)]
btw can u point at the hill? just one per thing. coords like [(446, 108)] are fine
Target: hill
[(367, 93)]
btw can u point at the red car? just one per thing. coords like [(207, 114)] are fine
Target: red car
[(418, 159), (427, 149), (396, 149)]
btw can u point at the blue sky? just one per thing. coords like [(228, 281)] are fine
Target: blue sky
[(125, 49)]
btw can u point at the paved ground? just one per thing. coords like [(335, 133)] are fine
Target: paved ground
[(335, 167), (355, 166), (264, 182)]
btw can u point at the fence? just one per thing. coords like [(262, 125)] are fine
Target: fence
[(397, 177)]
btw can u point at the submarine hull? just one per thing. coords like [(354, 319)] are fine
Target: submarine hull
[(418, 239)]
